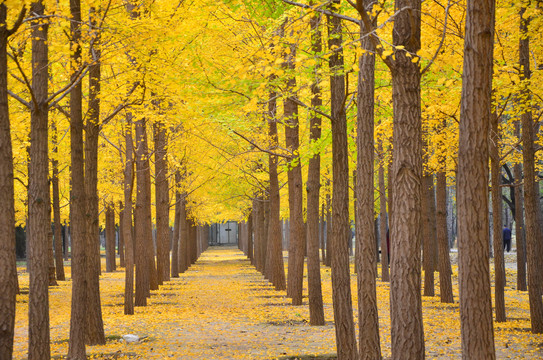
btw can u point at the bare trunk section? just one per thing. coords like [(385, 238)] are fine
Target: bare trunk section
[(316, 309), (162, 205), (341, 234), (127, 220), (183, 235), (366, 260), (385, 259), (78, 198), (120, 250), (110, 238), (94, 330), (445, 283), (472, 184), (176, 228), (405, 271), (531, 191), (142, 248), (495, 178), (519, 224), (250, 237), (428, 241), (59, 261), (8, 265)]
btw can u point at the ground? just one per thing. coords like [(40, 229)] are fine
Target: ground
[(222, 308)]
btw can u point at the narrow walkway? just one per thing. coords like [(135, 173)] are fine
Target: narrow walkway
[(221, 308)]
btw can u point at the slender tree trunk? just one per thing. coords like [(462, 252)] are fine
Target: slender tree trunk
[(122, 262), (341, 282), (366, 261), (110, 238), (531, 191), (162, 204), (183, 235), (127, 220), (59, 261), (445, 283), (472, 184), (385, 275), (250, 237), (428, 242), (275, 239), (323, 231), (78, 198), (405, 271), (495, 176), (148, 221), (94, 329), (519, 223), (50, 252), (176, 228), (329, 226), (316, 310), (256, 224), (8, 264), (142, 242)]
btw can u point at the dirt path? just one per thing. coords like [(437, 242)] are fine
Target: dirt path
[(222, 308)]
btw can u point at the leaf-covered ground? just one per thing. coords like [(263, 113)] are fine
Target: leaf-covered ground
[(222, 308)]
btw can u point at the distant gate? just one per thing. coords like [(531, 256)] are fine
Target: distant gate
[(224, 234)]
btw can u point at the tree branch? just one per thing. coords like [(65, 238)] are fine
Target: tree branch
[(259, 147), (18, 22), (441, 41), (18, 98), (323, 11)]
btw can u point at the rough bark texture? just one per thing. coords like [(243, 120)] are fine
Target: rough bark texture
[(295, 188), (329, 226), (366, 261), (50, 252), (495, 178), (94, 330), (120, 250), (275, 239), (428, 242), (128, 185), (385, 274), (148, 219), (142, 259), (162, 204), (8, 266), (78, 199), (110, 238), (472, 184), (531, 193), (519, 225), (445, 271), (341, 280), (314, 287), (183, 236), (405, 298), (176, 229), (59, 261)]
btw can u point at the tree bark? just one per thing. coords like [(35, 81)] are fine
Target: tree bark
[(59, 261), (445, 283), (472, 184), (162, 204), (183, 235), (120, 250), (176, 228), (366, 260), (78, 198), (110, 238), (531, 191), (316, 309), (428, 242), (341, 280), (385, 275), (142, 242), (496, 193), (127, 220), (94, 330), (250, 237), (519, 223), (405, 296)]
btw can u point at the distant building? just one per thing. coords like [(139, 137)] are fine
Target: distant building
[(224, 234)]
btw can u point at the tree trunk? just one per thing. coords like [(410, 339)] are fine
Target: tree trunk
[(276, 269), (428, 242), (94, 329), (142, 242), (176, 228), (8, 265), (314, 287), (50, 252), (110, 238), (78, 198), (59, 261), (495, 176), (127, 220), (250, 237), (341, 281), (120, 250), (472, 184), (445, 283), (385, 275), (329, 226), (519, 224), (183, 236), (405, 271), (162, 204), (148, 220), (366, 261), (531, 192)]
